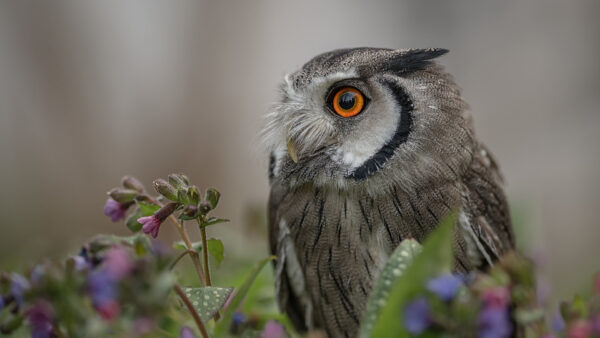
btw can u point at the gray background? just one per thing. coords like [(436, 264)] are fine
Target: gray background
[(90, 91)]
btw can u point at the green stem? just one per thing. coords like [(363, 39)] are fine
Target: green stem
[(186, 252), (205, 256), (193, 312)]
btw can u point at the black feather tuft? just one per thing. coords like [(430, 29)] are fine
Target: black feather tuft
[(413, 60)]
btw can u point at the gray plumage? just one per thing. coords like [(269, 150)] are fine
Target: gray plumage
[(345, 191)]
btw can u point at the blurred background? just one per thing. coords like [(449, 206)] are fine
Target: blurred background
[(91, 91)]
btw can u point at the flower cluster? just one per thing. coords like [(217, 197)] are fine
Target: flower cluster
[(108, 276), (497, 304)]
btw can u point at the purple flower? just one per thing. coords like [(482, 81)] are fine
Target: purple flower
[(115, 210), (37, 273), (558, 323), (496, 297), (40, 317), (150, 225), (273, 330), (445, 287), (494, 322), (103, 291), (1, 303), (117, 263), (238, 318), (416, 316), (595, 323), (186, 332), (542, 291), (18, 287), (80, 263)]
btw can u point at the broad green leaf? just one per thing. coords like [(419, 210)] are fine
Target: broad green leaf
[(216, 250), (435, 259), (101, 242), (225, 323), (132, 222), (207, 300), (394, 268), (213, 221), (180, 245)]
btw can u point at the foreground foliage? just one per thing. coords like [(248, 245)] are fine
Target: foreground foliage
[(127, 287)]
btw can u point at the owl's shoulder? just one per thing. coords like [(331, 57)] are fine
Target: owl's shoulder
[(485, 213)]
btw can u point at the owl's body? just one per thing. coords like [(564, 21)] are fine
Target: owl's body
[(348, 184)]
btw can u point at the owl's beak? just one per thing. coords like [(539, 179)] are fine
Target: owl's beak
[(291, 149)]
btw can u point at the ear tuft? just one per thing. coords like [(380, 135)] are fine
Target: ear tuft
[(410, 60)]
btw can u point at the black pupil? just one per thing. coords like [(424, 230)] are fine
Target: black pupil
[(347, 100)]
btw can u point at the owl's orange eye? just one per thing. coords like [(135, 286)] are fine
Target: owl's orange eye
[(348, 102)]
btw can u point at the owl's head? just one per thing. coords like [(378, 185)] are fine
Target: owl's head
[(366, 116)]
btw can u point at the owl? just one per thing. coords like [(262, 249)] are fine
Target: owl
[(368, 147)]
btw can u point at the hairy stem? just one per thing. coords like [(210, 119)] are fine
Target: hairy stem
[(190, 308), (205, 256), (193, 254)]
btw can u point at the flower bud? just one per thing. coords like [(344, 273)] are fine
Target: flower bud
[(204, 207), (182, 195), (190, 210), (133, 183), (178, 180), (193, 194), (212, 197), (164, 188), (123, 195)]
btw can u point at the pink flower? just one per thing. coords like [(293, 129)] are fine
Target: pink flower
[(117, 263), (143, 326), (109, 310), (496, 297), (115, 210), (150, 225), (273, 330), (580, 329), (186, 332)]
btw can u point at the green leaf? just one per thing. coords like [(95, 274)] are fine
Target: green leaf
[(435, 259), (100, 242), (207, 300), (186, 217), (213, 221), (132, 222), (528, 316), (394, 268), (224, 324), (216, 250), (147, 208), (180, 245)]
